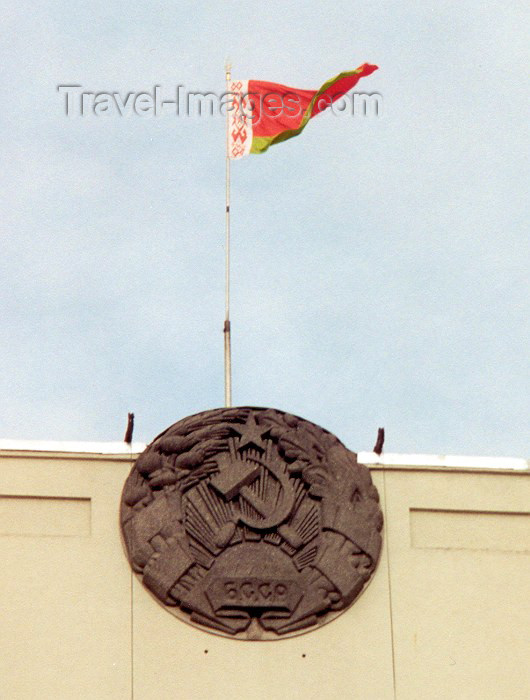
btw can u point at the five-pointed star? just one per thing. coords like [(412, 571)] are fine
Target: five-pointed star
[(251, 434)]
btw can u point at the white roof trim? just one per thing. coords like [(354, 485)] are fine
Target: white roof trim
[(103, 448), (390, 459), (453, 461)]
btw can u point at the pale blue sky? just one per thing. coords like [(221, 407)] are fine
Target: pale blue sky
[(380, 266)]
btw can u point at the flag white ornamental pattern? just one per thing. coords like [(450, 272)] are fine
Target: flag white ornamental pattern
[(240, 124)]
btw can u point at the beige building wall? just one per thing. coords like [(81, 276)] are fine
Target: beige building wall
[(447, 614)]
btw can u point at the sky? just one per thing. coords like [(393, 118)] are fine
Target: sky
[(379, 264)]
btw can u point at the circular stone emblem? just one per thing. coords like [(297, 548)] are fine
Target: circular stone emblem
[(251, 522)]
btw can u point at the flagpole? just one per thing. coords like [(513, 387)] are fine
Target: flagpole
[(226, 331)]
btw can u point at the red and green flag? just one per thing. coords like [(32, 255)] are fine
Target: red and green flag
[(262, 114)]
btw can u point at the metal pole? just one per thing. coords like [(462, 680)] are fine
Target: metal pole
[(228, 353)]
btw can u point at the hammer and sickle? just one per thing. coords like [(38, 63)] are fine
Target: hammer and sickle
[(234, 479)]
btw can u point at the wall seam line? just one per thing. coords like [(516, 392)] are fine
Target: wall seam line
[(132, 613), (389, 586), (132, 639)]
